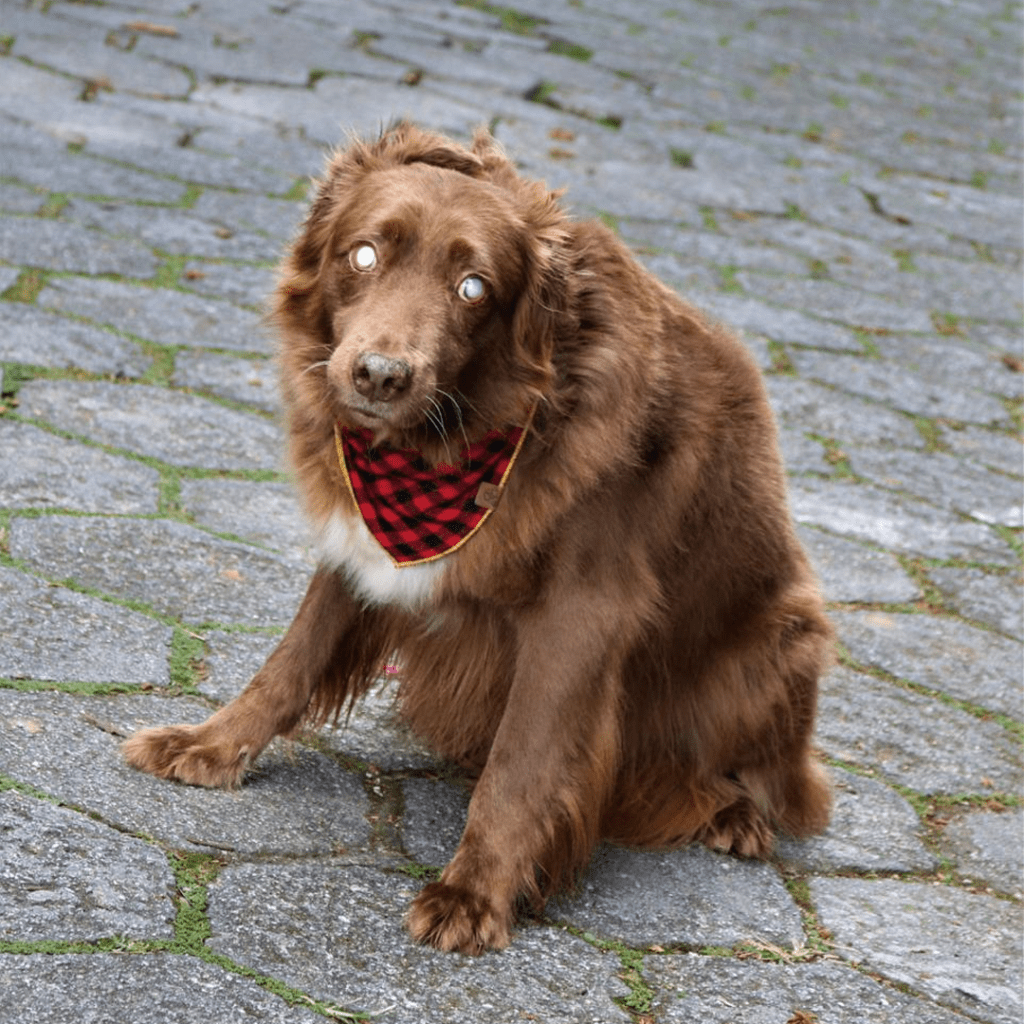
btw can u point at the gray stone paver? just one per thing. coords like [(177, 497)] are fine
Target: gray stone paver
[(723, 991), (691, 897), (557, 977), (107, 987), (844, 189), (990, 847), (914, 740), (64, 876), (959, 948), (42, 470), (171, 567), (161, 315), (181, 429)]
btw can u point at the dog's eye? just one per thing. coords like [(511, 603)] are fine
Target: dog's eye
[(471, 289), (364, 258)]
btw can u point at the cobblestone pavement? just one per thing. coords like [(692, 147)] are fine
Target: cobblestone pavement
[(839, 180)]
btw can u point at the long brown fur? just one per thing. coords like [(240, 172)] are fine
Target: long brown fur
[(630, 647)]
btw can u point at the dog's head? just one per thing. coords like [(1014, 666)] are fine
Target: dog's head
[(423, 295)]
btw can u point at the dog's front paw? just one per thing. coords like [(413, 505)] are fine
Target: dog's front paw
[(188, 753), (456, 920)]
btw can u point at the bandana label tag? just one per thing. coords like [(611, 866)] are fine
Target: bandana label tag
[(488, 496)]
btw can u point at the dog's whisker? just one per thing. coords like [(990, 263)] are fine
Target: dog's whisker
[(315, 366), (458, 412), (436, 417)]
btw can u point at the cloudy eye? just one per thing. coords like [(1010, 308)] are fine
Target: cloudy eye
[(364, 258), (471, 289)]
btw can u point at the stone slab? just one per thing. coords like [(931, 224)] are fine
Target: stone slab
[(67, 878), (278, 218), (92, 60), (252, 381), (1001, 450), (777, 323), (939, 360), (173, 568), (176, 231), (960, 949), (941, 653), (55, 634), (37, 158), (832, 301), (994, 599), (307, 924), (18, 199), (904, 525), (944, 480), (41, 470), (160, 423), (914, 740), (719, 990), (231, 660), (873, 828), (241, 283), (187, 163), (989, 848), (152, 989), (38, 337), (162, 315), (853, 572), (433, 818), (886, 381), (57, 245), (814, 408), (690, 896), (261, 512), (290, 803)]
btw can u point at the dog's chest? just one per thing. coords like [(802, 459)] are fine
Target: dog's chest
[(345, 543)]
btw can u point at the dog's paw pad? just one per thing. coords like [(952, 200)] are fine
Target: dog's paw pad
[(456, 920)]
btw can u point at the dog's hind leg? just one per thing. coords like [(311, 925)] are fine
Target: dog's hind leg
[(329, 653)]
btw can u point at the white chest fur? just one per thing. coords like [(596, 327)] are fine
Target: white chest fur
[(345, 543)]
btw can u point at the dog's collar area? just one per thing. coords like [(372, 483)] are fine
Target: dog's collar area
[(417, 512)]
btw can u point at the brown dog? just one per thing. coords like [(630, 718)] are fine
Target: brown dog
[(581, 548)]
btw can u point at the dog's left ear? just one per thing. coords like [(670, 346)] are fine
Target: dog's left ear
[(542, 313)]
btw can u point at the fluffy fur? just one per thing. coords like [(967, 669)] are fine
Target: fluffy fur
[(629, 648)]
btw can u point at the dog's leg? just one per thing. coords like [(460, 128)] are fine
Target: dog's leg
[(216, 752), (536, 809)]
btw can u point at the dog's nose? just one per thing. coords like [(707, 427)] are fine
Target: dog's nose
[(380, 378)]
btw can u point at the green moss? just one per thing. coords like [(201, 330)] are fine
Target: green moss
[(780, 361), (27, 287), (511, 19), (905, 260), (193, 873), (681, 158), (14, 376), (299, 190), (729, 280), (185, 660), (168, 273), (572, 50)]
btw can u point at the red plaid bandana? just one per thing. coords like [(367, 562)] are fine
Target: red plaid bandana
[(417, 512)]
